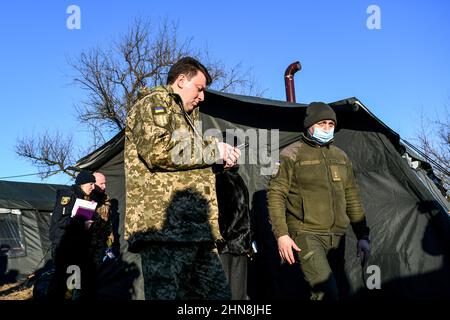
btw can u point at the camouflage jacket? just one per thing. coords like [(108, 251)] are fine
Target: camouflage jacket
[(170, 185)]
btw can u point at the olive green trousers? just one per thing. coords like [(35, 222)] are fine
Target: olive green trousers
[(321, 257)]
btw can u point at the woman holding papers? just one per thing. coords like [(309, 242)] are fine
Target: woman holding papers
[(69, 236)]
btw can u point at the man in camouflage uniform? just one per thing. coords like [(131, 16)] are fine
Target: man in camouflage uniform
[(312, 199), (171, 205)]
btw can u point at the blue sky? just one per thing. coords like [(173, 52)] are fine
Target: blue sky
[(396, 71)]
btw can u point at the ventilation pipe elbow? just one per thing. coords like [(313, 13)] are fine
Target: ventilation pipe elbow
[(289, 80)]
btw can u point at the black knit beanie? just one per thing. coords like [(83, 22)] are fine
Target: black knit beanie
[(318, 111), (84, 177)]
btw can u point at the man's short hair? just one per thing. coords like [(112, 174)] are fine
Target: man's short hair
[(188, 66)]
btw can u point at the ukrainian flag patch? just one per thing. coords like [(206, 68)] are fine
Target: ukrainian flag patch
[(158, 110)]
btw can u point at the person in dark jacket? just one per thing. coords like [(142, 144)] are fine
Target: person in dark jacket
[(312, 199), (235, 228), (70, 240)]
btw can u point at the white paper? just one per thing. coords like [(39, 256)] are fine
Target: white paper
[(80, 203)]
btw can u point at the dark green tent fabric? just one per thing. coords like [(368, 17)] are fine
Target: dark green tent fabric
[(33, 203), (410, 230), (37, 195), (425, 173)]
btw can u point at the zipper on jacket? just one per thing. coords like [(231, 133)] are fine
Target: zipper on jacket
[(332, 189)]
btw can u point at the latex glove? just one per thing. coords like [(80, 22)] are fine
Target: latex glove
[(285, 245), (363, 250)]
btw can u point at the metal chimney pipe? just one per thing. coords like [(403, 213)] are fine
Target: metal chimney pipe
[(289, 80)]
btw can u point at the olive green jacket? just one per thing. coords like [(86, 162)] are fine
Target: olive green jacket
[(314, 190), (170, 186)]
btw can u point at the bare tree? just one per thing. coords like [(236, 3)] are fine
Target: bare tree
[(434, 142), (49, 153), (112, 79)]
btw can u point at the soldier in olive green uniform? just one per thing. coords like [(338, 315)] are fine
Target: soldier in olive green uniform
[(312, 199), (171, 204)]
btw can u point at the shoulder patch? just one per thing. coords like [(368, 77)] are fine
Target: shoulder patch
[(158, 110), (291, 150), (65, 200)]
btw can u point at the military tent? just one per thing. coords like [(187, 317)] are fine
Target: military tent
[(25, 211), (409, 227)]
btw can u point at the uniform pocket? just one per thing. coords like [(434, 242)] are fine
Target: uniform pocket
[(338, 169), (307, 253), (317, 214)]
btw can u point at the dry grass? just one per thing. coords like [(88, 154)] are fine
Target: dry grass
[(16, 291)]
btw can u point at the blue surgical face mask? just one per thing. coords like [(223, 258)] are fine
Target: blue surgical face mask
[(322, 136)]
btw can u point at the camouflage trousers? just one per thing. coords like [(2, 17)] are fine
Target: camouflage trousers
[(322, 263), (183, 272)]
